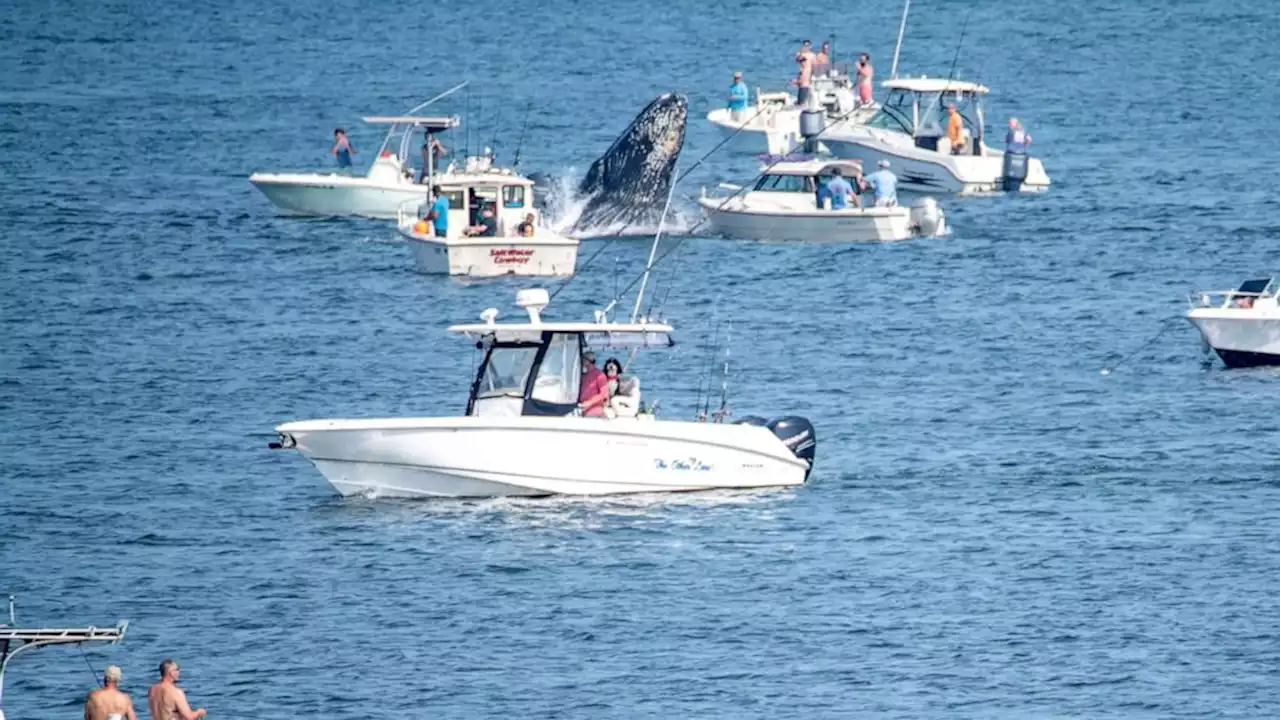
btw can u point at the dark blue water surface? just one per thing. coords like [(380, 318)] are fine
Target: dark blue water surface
[(993, 529)]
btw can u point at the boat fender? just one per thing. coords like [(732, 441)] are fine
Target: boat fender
[(798, 435), (420, 227)]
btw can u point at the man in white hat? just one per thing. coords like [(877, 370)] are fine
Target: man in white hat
[(108, 702), (885, 185)]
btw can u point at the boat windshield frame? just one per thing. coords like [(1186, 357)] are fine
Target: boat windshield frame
[(406, 128), (927, 111)]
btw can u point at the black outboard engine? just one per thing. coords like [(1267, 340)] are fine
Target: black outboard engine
[(797, 434), (752, 420), (811, 126), (542, 186), (1015, 170)]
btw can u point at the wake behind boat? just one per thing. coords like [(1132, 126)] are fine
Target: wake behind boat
[(1242, 325), (524, 432)]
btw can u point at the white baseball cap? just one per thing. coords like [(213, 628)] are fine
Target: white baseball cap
[(884, 163)]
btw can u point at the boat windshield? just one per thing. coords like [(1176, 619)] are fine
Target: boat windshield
[(506, 370), (894, 119), (785, 183), (560, 371)]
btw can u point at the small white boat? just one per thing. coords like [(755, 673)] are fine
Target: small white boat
[(524, 435), (388, 185), (1242, 325), (500, 249), (910, 131), (777, 114), (783, 205), (15, 640)]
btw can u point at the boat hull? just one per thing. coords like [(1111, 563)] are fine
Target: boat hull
[(1240, 337), (851, 225), (926, 172), (491, 256), (338, 196), (538, 456)]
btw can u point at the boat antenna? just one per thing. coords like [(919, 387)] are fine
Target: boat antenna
[(724, 378), (13, 617), (524, 126), (653, 251), (441, 96), (702, 402), (466, 142), (902, 29)]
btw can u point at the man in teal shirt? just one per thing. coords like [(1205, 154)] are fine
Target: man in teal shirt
[(439, 215), (737, 97)]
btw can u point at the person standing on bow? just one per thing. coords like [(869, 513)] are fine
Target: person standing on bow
[(822, 61), (432, 151), (865, 74), (738, 97), (342, 149)]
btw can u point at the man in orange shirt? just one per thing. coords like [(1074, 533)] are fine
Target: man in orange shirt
[(955, 129)]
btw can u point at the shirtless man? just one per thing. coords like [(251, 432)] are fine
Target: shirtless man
[(108, 702), (167, 700)]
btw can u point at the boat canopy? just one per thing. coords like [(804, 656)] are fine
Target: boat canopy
[(918, 107), (432, 123), (595, 335), (1254, 287), (930, 85), (810, 168)]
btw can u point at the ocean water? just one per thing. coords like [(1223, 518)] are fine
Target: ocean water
[(993, 528)]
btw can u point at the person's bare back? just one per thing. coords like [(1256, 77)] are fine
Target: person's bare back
[(108, 703), (167, 701)]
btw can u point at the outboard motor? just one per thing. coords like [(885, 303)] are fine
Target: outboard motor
[(542, 185), (752, 420), (812, 123), (797, 434), (1015, 170), (928, 217)]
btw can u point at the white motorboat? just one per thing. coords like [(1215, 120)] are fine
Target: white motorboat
[(777, 114), (1242, 325), (499, 249), (524, 435), (15, 640), (909, 131), (389, 184), (783, 205)]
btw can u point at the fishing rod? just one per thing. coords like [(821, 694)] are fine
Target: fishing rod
[(702, 403), (902, 29), (724, 378), (952, 74), (523, 128), (441, 96)]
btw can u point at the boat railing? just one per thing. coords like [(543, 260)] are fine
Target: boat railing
[(15, 640), (1225, 298)]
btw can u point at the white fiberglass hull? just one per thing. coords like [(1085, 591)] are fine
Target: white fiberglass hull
[(536, 456), (1241, 337), (849, 225), (492, 256), (751, 132), (928, 172), (337, 195)]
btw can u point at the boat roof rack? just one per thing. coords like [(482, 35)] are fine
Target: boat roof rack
[(14, 640), (430, 122)]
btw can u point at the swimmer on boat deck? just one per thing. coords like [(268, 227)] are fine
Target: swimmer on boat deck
[(804, 76), (342, 149), (822, 61), (108, 702), (865, 73), (167, 701)]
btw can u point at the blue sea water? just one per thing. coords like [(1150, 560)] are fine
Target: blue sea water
[(993, 529)]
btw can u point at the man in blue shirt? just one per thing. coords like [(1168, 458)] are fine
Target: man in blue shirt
[(737, 97), (838, 189), (439, 215), (1017, 139), (885, 185)]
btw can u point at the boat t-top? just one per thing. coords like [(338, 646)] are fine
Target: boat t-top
[(1241, 325), (523, 431), (910, 132), (15, 640), (493, 226), (778, 114), (390, 182), (783, 205)]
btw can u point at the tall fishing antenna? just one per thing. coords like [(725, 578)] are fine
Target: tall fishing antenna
[(951, 75), (653, 251), (902, 29), (703, 401), (724, 378), (441, 96), (523, 127)]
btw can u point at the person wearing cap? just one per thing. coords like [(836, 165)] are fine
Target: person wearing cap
[(594, 391), (885, 185), (955, 129), (737, 97), (109, 702), (167, 701), (1017, 139)]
